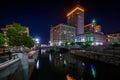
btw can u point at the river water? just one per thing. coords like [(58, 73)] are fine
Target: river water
[(63, 66)]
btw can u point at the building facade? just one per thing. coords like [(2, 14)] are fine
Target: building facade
[(61, 33), (75, 18), (92, 27), (113, 37), (95, 38)]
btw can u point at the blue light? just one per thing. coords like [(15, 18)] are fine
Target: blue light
[(93, 70)]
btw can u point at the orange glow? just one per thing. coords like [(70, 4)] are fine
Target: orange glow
[(69, 77), (97, 28), (77, 8), (88, 25)]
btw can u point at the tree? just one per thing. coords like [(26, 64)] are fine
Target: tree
[(27, 41), (1, 31), (17, 36), (79, 43), (2, 39)]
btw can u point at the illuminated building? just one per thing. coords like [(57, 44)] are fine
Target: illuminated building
[(92, 27), (61, 33), (113, 37), (92, 33), (75, 18), (95, 38)]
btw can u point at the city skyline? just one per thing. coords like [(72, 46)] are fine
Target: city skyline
[(40, 16)]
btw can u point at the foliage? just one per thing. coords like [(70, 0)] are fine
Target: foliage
[(66, 43), (17, 36), (78, 43), (116, 44), (84, 44), (1, 31), (2, 39), (27, 41), (69, 43)]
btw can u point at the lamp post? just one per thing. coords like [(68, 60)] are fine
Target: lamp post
[(37, 42)]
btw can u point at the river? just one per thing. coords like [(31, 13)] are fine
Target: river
[(64, 66)]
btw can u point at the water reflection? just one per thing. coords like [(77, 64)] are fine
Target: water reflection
[(93, 70), (80, 68), (69, 77)]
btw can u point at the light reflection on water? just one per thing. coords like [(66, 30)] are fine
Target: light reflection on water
[(69, 77), (83, 68), (37, 64)]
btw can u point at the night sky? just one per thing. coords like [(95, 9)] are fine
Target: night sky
[(40, 15)]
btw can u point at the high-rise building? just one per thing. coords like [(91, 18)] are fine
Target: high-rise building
[(75, 18), (61, 33)]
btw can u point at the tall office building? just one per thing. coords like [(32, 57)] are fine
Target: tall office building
[(76, 18)]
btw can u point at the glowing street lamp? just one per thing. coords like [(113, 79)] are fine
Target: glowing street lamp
[(37, 40)]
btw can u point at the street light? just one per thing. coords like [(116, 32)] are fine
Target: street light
[(37, 40)]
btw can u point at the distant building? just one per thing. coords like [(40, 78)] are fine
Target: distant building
[(61, 33), (75, 31), (92, 27), (92, 32), (75, 18), (95, 38), (113, 37)]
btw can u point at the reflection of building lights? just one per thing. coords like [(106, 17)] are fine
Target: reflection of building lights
[(50, 58), (93, 70), (60, 55), (37, 64), (65, 62), (83, 64), (69, 77)]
